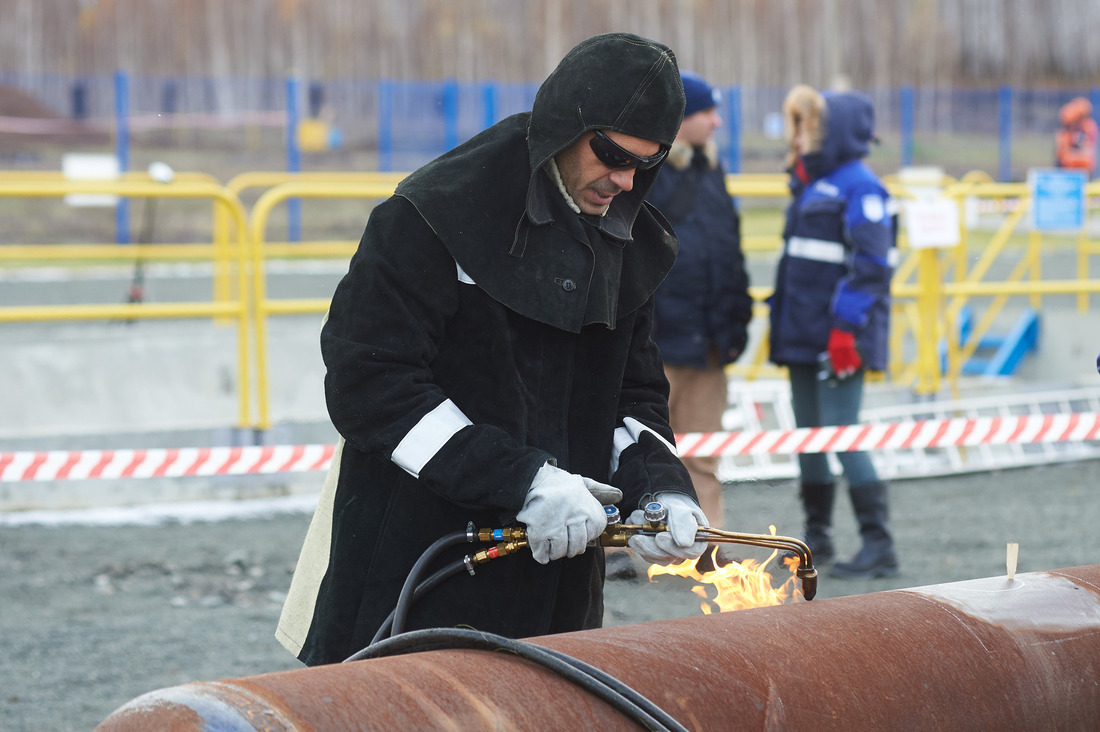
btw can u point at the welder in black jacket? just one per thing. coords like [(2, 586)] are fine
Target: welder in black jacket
[(489, 359)]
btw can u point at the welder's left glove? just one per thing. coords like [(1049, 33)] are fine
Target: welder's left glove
[(564, 512), (685, 517)]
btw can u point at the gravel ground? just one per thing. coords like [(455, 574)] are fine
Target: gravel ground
[(93, 616)]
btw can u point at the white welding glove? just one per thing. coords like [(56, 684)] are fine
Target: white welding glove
[(678, 543), (564, 512)]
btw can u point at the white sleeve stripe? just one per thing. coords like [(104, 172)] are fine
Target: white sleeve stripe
[(628, 435), (428, 436), (620, 441), (637, 428), (463, 277)]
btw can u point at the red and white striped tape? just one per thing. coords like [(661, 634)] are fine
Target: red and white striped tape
[(911, 435), (156, 463)]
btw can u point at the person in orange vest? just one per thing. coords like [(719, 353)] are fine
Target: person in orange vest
[(1076, 139)]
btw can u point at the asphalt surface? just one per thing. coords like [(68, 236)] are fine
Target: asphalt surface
[(92, 616)]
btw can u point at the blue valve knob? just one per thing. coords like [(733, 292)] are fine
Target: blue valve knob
[(612, 514), (655, 511)]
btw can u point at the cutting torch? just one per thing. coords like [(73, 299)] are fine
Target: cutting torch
[(512, 539)]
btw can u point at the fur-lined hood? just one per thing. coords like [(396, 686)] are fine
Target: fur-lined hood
[(681, 154), (841, 126), (804, 106)]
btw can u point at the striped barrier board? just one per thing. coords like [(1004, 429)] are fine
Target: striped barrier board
[(258, 460), (907, 435), (158, 463)]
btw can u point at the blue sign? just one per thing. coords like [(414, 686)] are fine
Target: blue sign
[(1057, 199)]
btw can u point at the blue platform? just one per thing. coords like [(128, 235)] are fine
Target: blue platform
[(998, 355)]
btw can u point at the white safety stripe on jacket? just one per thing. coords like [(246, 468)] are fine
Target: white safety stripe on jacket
[(428, 436), (819, 250), (628, 435)]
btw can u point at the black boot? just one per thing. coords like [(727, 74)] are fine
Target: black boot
[(817, 501), (876, 558)]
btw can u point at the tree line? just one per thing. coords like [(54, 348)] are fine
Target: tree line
[(751, 43)]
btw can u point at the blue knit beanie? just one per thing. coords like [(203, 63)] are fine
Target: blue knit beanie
[(700, 95)]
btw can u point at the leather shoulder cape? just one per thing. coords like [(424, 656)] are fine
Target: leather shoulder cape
[(475, 197)]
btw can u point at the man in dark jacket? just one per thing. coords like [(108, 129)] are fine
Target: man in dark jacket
[(703, 308), (831, 308), (489, 360)]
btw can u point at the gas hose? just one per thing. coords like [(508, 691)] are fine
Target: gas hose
[(600, 684)]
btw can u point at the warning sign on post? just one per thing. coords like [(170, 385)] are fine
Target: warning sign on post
[(1057, 199), (932, 223)]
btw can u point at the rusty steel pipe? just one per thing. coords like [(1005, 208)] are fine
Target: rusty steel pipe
[(981, 654)]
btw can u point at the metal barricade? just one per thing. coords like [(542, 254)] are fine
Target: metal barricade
[(225, 255)]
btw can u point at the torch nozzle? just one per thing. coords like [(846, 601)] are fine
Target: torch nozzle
[(808, 575)]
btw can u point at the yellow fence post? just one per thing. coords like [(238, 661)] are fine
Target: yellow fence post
[(928, 373), (1035, 257), (1083, 265)]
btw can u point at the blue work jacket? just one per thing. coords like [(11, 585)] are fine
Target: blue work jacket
[(838, 249)]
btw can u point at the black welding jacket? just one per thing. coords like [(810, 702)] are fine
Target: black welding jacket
[(484, 328)]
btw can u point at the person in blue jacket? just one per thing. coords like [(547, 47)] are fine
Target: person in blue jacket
[(831, 308), (703, 308)]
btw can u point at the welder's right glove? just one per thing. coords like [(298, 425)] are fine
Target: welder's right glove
[(685, 517), (564, 512)]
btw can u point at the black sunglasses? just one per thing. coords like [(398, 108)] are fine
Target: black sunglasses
[(617, 158)]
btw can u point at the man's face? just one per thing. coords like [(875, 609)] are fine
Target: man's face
[(590, 183), (698, 128)]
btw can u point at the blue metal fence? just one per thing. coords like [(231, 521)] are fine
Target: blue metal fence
[(410, 122)]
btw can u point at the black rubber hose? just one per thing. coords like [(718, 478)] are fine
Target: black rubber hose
[(598, 683), (404, 600), (385, 630)]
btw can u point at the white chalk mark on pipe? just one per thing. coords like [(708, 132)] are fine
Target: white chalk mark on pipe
[(1013, 554)]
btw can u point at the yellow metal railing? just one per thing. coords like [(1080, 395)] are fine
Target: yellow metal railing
[(262, 305), (930, 287), (230, 206), (922, 313)]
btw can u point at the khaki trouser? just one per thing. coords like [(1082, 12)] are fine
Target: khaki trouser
[(696, 402)]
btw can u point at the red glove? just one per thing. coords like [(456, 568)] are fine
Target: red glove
[(843, 353)]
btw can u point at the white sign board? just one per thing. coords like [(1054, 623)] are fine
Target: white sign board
[(932, 223), (90, 166)]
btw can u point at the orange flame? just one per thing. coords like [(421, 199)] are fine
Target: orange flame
[(737, 585)]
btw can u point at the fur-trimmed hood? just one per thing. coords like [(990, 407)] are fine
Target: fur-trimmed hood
[(841, 126), (803, 107), (681, 154)]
